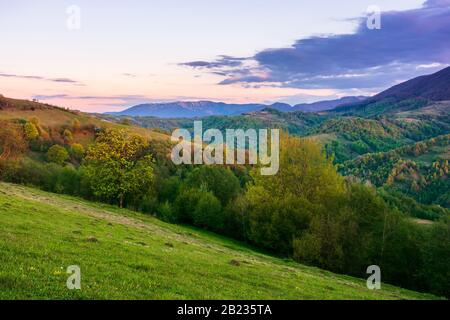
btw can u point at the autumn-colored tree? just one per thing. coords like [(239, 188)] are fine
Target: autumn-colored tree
[(76, 125), (31, 131), (117, 167), (125, 121), (35, 121), (68, 136), (12, 140), (77, 151)]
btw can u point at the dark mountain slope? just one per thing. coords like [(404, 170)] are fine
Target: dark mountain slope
[(434, 87)]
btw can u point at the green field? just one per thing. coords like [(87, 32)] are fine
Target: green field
[(126, 255)]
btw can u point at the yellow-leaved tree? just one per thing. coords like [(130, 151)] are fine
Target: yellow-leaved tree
[(117, 167)]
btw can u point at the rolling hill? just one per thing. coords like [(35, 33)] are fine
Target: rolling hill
[(126, 255), (419, 170), (55, 118)]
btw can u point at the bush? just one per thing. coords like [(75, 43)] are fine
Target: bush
[(12, 141), (68, 136), (236, 218), (208, 213), (220, 180), (168, 189), (185, 204), (57, 154), (77, 151), (31, 132), (166, 212)]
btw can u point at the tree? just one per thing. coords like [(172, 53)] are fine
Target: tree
[(118, 167), (77, 151), (281, 206), (125, 121), (351, 237), (57, 154), (220, 180), (31, 131), (208, 212), (12, 140), (68, 136), (76, 125), (186, 203), (436, 251)]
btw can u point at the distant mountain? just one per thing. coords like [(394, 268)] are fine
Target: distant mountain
[(184, 109), (284, 107), (410, 95), (434, 87), (188, 109), (328, 104)]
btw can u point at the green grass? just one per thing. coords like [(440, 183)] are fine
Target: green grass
[(126, 255)]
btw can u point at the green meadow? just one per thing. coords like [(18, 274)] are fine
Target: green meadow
[(128, 255)]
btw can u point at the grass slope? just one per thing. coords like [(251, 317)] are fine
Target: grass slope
[(55, 117), (123, 254)]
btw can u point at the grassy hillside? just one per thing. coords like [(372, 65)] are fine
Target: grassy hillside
[(54, 117), (123, 254)]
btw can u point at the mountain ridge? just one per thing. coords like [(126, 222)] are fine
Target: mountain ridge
[(435, 87), (204, 108)]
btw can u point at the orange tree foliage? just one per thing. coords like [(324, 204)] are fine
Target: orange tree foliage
[(12, 140)]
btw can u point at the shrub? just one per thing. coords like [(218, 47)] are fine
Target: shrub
[(31, 132), (68, 136), (12, 141), (77, 151), (185, 204), (220, 180), (208, 212), (165, 212), (57, 154)]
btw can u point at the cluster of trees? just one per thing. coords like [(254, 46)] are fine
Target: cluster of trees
[(370, 108), (359, 136), (296, 122), (307, 211), (424, 180)]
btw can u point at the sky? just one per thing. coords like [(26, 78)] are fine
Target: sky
[(101, 55)]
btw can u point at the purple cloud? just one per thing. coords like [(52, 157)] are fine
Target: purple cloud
[(222, 61), (408, 44), (60, 80), (124, 98)]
